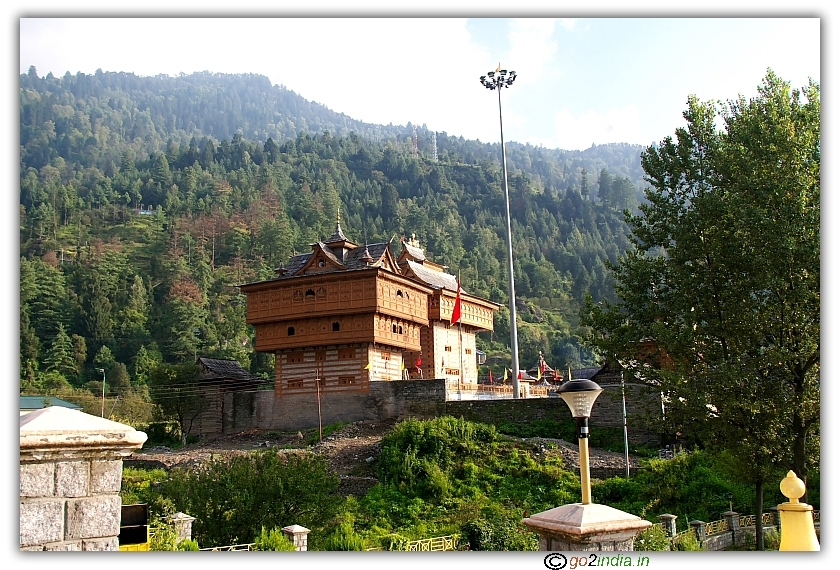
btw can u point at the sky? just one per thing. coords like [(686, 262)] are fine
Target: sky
[(579, 80)]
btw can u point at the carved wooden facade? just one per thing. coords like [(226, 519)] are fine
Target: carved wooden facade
[(342, 316)]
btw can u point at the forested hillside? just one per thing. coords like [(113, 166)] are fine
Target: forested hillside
[(144, 201)]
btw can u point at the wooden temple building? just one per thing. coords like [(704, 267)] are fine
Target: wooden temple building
[(343, 315)]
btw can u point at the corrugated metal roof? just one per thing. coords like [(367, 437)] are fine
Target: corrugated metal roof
[(37, 403)]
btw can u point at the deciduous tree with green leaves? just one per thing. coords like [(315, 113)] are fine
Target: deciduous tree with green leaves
[(723, 278), (176, 391)]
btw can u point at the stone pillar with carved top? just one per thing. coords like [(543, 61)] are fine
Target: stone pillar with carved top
[(298, 535), (585, 527), (70, 477)]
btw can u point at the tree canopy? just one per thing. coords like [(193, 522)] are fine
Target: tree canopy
[(719, 297)]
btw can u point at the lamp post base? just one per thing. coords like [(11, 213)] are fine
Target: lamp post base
[(585, 527)]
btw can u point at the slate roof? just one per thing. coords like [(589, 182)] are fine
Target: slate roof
[(585, 373), (329, 254), (337, 236), (414, 252), (228, 372), (352, 258), (432, 278), (37, 403)]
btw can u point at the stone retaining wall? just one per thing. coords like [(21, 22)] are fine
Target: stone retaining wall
[(388, 401)]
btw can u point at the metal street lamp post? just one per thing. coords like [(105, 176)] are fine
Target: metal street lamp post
[(102, 370), (580, 395), (496, 80)]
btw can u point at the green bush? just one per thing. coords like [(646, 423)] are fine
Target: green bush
[(233, 497), (345, 538), (162, 433), (772, 539), (499, 533), (138, 485), (163, 537), (624, 494), (418, 456), (652, 539), (188, 545), (688, 542), (273, 540)]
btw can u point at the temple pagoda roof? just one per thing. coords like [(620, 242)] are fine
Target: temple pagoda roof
[(433, 278)]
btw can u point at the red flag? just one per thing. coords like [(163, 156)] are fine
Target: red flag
[(419, 362), (542, 367), (456, 312)]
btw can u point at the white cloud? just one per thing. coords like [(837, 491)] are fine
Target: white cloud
[(532, 50), (616, 125)]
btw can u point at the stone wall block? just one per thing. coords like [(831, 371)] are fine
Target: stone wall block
[(72, 478), (93, 517), (41, 522), (64, 546), (37, 479), (105, 476), (101, 544)]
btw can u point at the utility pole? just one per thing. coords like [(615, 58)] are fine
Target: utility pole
[(102, 370)]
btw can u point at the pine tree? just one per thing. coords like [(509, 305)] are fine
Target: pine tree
[(59, 357)]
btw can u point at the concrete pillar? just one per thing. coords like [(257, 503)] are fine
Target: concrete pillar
[(731, 518), (182, 523), (298, 535), (590, 527), (70, 477), (699, 528), (669, 523), (798, 532)]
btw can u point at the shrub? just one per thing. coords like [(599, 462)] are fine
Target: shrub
[(137, 484), (772, 539), (345, 538), (163, 433), (163, 537), (188, 545), (653, 539), (233, 497), (687, 541), (273, 540), (499, 533)]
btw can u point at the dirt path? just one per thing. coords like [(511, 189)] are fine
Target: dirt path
[(350, 451)]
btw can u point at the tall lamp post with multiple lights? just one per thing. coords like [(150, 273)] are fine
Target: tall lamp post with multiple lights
[(496, 80)]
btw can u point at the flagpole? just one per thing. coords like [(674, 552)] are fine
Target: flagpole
[(460, 336)]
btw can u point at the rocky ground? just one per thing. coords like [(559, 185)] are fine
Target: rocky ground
[(350, 452)]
